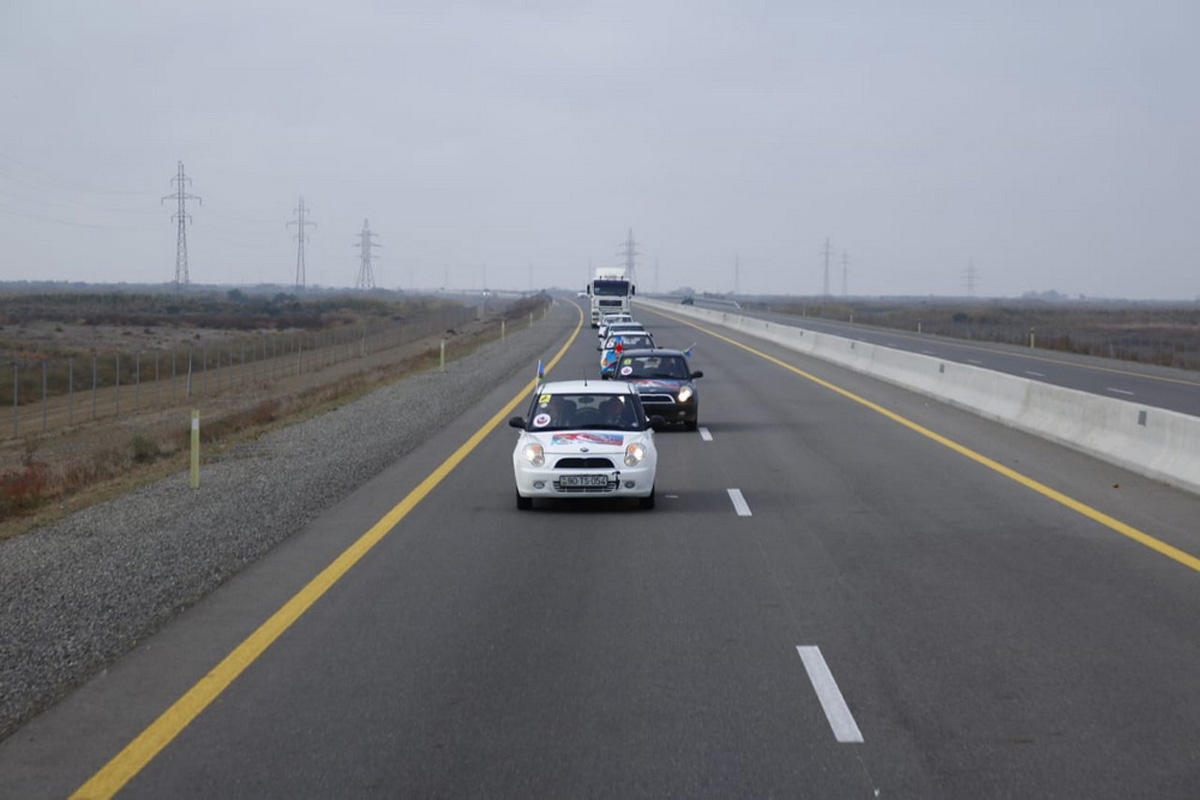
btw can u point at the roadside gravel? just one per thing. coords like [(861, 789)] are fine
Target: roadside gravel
[(77, 594)]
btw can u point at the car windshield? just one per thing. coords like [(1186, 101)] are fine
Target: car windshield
[(672, 367), (557, 412), (610, 288), (628, 341)]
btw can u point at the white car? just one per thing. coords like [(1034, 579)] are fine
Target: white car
[(582, 439), (613, 328), (609, 319)]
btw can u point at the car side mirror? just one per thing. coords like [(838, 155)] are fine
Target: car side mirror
[(656, 421), (697, 374), (517, 422)]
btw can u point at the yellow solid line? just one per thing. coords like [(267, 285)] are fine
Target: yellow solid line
[(130, 761), (1185, 558)]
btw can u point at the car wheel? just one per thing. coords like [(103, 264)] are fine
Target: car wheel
[(524, 503), (647, 502)]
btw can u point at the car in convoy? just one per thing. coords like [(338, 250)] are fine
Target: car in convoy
[(585, 439), (618, 343), (611, 319), (622, 327), (665, 382)]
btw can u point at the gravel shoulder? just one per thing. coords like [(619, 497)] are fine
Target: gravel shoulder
[(76, 595)]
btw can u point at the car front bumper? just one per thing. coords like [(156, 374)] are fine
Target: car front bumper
[(546, 482)]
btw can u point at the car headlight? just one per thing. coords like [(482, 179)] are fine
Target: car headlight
[(634, 454), (685, 394), (534, 454)]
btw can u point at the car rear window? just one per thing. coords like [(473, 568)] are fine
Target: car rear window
[(673, 367)]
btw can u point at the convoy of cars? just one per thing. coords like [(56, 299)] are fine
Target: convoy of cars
[(592, 438)]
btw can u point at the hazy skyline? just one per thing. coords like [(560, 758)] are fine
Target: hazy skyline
[(1054, 147)]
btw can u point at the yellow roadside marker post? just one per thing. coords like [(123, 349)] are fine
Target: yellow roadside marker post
[(442, 356), (194, 477)]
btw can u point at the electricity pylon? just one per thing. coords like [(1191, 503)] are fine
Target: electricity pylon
[(630, 253), (366, 276), (183, 218), (300, 211)]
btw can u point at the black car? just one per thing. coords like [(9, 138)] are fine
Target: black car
[(664, 381)]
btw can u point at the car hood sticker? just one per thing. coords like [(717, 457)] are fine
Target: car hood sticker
[(612, 439)]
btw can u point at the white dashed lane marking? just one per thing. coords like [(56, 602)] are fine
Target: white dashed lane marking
[(845, 729), (1118, 391), (705, 434), (1035, 374), (739, 503)]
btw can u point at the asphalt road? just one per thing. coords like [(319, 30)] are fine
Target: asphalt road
[(987, 641), (1152, 385)]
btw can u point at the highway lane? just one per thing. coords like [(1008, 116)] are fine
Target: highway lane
[(1160, 387), (988, 642)]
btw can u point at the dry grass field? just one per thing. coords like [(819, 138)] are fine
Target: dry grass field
[(341, 351), (1146, 332)]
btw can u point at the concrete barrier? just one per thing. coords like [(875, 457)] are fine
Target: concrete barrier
[(1155, 442)]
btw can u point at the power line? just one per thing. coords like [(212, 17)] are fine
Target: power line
[(181, 216), (366, 276), (300, 211)]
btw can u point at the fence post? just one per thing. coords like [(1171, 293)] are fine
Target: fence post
[(442, 355), (1030, 337), (502, 330), (531, 319), (70, 391), (93, 387), (43, 395), (118, 385), (137, 379)]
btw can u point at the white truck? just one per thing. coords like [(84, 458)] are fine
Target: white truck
[(608, 291)]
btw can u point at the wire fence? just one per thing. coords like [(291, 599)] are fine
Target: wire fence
[(45, 394)]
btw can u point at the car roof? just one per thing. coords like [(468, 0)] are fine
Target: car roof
[(654, 351), (629, 323), (584, 387)]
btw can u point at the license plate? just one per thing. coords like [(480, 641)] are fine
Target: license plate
[(583, 480)]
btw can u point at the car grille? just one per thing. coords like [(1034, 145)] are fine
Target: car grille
[(584, 463), (657, 399)]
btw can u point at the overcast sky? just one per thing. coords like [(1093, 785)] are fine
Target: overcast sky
[(1052, 145)]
